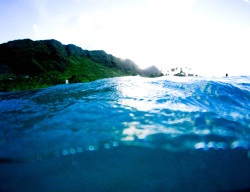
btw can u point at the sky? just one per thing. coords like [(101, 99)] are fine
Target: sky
[(212, 37)]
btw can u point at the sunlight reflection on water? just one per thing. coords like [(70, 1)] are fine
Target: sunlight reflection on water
[(170, 113), (146, 95)]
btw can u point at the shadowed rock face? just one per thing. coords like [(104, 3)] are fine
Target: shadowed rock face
[(100, 56), (108, 60), (32, 57), (73, 50)]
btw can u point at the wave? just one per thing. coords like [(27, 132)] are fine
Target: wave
[(171, 113)]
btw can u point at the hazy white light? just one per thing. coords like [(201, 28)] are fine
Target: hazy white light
[(211, 144), (164, 33), (91, 148), (35, 27), (200, 145)]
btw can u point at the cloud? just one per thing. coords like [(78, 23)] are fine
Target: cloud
[(35, 27), (247, 1)]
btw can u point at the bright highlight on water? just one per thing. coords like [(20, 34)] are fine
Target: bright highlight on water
[(171, 114)]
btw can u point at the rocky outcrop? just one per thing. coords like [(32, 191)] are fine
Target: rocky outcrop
[(152, 71), (100, 56), (73, 50)]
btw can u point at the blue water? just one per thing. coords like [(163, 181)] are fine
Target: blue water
[(132, 120)]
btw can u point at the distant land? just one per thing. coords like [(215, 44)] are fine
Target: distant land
[(27, 64)]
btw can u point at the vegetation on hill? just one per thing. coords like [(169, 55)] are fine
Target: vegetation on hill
[(78, 69), (27, 64), (32, 57)]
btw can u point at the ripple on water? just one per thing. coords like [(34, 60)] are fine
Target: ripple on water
[(170, 113)]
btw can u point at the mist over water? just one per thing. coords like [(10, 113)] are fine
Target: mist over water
[(172, 114)]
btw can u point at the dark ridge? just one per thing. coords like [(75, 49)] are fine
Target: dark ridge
[(74, 50), (32, 57)]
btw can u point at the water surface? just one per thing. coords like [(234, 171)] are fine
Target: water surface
[(128, 134)]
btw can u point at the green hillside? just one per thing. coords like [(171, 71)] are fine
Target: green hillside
[(78, 70), (27, 64)]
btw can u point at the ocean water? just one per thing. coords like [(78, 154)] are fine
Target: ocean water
[(128, 134)]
